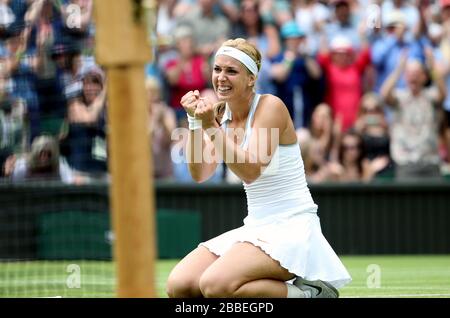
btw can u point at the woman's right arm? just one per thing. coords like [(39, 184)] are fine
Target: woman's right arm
[(200, 152), (200, 155)]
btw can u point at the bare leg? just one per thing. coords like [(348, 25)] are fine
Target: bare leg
[(262, 288), (245, 271), (184, 279)]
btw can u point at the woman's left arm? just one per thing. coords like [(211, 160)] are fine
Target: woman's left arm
[(270, 122)]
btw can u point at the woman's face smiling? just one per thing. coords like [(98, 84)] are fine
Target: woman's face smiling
[(230, 78)]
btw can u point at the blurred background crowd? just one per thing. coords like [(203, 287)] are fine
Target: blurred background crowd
[(365, 82)]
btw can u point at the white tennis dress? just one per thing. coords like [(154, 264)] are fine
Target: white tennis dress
[(282, 217)]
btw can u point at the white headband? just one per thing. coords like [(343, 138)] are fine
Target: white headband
[(240, 56)]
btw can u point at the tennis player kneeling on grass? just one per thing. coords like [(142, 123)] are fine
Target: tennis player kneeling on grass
[(280, 250)]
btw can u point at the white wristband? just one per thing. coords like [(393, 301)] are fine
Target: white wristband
[(194, 123)]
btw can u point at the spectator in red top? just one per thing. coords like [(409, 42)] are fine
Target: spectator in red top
[(344, 70), (188, 72)]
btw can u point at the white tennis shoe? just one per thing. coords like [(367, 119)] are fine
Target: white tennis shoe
[(316, 288)]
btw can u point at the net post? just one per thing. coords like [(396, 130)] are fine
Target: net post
[(123, 48)]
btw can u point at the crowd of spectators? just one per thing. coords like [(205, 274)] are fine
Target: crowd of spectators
[(365, 82)]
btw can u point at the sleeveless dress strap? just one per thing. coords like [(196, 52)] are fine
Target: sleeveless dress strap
[(227, 116), (249, 123)]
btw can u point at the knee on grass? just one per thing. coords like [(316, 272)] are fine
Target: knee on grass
[(181, 286), (212, 286)]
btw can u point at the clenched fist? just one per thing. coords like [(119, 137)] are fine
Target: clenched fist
[(205, 112), (190, 101), (199, 107)]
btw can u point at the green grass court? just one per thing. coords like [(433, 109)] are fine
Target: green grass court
[(400, 276)]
